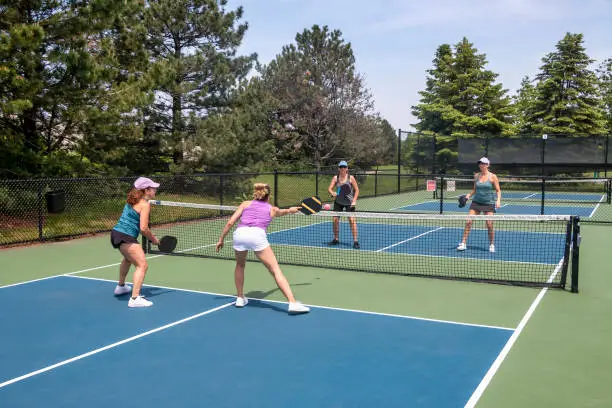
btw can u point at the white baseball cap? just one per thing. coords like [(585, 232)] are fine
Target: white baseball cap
[(142, 182), (484, 160)]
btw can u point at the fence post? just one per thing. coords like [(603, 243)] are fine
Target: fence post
[(606, 157), (543, 192), (276, 187), (442, 194), (399, 158), (40, 212), (221, 189), (376, 183), (317, 183)]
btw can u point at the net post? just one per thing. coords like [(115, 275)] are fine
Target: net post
[(575, 253), (543, 199), (609, 191), (567, 251), (441, 194)]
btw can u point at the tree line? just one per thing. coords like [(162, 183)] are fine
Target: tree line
[(117, 87)]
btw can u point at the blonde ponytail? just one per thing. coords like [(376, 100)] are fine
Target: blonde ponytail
[(261, 192)]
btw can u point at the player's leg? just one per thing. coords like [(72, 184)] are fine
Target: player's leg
[(239, 272), (134, 253), (466, 231), (491, 233)]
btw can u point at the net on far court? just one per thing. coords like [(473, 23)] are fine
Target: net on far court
[(537, 190), (529, 250)]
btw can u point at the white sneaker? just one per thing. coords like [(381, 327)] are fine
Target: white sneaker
[(122, 290), (297, 307), (241, 301), (140, 301), (491, 248), (462, 247)]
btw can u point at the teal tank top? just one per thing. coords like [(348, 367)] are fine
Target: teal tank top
[(484, 191), (129, 222)]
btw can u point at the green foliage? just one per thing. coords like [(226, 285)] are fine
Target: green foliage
[(567, 96), (70, 73), (605, 86), (460, 95), (324, 105), (197, 40)]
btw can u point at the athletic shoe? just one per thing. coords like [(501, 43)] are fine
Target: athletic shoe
[(356, 245), (297, 308), (491, 248), (333, 242), (241, 301), (122, 290), (140, 301), (462, 247)]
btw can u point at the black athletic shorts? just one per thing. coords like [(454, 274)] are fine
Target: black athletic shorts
[(117, 238), (340, 207), (482, 207)]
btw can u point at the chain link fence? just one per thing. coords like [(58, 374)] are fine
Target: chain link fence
[(38, 210)]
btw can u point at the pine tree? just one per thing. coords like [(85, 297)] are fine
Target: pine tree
[(64, 67), (524, 102), (567, 100), (197, 40), (461, 97), (605, 86)]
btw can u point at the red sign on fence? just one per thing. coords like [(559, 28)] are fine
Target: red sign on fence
[(431, 185)]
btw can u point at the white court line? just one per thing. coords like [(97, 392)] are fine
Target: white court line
[(96, 268), (409, 239), (504, 353), (529, 196), (594, 209), (315, 306), (413, 205), (113, 345)]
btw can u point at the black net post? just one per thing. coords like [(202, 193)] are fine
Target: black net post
[(568, 246), (575, 253), (543, 193)]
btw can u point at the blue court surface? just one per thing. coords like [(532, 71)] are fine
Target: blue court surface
[(578, 197), (68, 342), (452, 207), (433, 240)]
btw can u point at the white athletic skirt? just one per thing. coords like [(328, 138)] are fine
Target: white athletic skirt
[(250, 239)]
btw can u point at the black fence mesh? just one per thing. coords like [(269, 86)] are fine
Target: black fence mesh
[(45, 209)]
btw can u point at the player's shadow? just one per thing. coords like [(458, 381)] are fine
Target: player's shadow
[(257, 296)]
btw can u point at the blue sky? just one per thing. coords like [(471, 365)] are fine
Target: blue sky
[(394, 41)]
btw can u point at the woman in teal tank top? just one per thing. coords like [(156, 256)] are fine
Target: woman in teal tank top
[(486, 197), (134, 221)]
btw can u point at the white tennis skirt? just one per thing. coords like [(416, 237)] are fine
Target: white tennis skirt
[(250, 239)]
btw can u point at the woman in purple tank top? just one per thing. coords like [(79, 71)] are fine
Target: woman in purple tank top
[(250, 235)]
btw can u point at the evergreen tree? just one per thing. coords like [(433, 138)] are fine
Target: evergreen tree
[(64, 67), (605, 85), (524, 102), (567, 100), (460, 95), (197, 40)]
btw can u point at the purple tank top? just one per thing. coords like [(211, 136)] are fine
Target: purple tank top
[(257, 214)]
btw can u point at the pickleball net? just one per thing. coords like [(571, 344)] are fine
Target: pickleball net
[(529, 250)]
